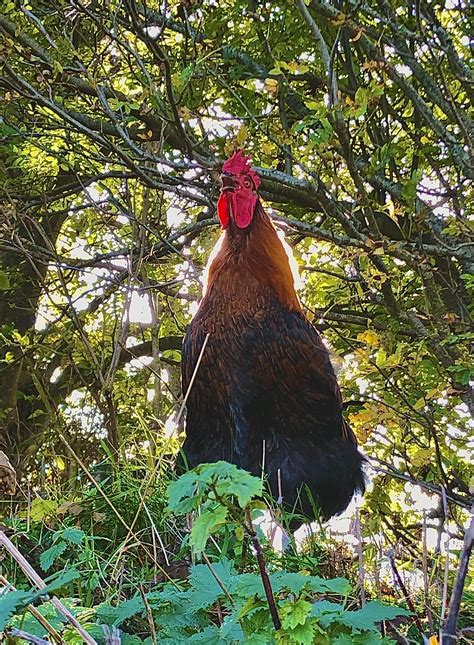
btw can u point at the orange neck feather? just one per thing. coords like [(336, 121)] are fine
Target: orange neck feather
[(255, 252)]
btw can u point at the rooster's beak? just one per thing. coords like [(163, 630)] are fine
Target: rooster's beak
[(228, 182)]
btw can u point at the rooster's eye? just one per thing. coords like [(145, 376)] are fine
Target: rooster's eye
[(247, 183)]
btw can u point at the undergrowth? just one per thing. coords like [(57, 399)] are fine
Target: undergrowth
[(178, 561)]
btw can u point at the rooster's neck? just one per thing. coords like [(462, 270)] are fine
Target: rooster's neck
[(250, 262)]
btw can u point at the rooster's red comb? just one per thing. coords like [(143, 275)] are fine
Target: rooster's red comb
[(239, 164)]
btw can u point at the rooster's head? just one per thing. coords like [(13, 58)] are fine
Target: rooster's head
[(238, 196)]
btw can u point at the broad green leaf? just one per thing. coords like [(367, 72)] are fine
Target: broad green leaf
[(326, 607), (204, 587), (301, 634), (295, 613), (116, 615), (60, 580), (12, 602), (372, 613), (74, 536), (295, 582), (210, 635), (205, 525), (49, 557), (15, 601), (181, 491)]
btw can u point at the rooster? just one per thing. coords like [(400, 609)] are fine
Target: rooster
[(262, 391)]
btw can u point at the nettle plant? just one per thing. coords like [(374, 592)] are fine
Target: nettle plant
[(235, 594)]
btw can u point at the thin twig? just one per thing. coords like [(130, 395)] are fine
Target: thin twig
[(444, 601), (191, 382), (399, 582), (449, 630), (426, 584), (360, 555)]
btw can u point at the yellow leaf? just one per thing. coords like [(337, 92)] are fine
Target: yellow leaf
[(267, 148), (433, 640), (421, 456), (241, 136), (271, 85), (420, 404), (373, 64), (369, 337), (59, 463), (40, 508), (185, 113), (392, 211)]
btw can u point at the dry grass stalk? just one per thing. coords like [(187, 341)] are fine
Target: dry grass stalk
[(30, 638), (39, 582)]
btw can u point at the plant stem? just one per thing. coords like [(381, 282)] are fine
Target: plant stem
[(263, 572)]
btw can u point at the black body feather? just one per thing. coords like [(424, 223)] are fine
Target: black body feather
[(266, 382)]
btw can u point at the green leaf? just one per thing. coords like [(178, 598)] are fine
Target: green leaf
[(41, 508), (60, 580), (342, 639), (205, 588), (74, 536), (296, 613), (363, 619), (128, 609), (122, 612), (296, 582), (208, 635), (249, 585), (326, 607), (232, 481), (49, 557), (10, 603), (15, 601), (300, 635), (204, 525), (372, 613), (190, 490), (31, 625), (183, 489), (4, 281)]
